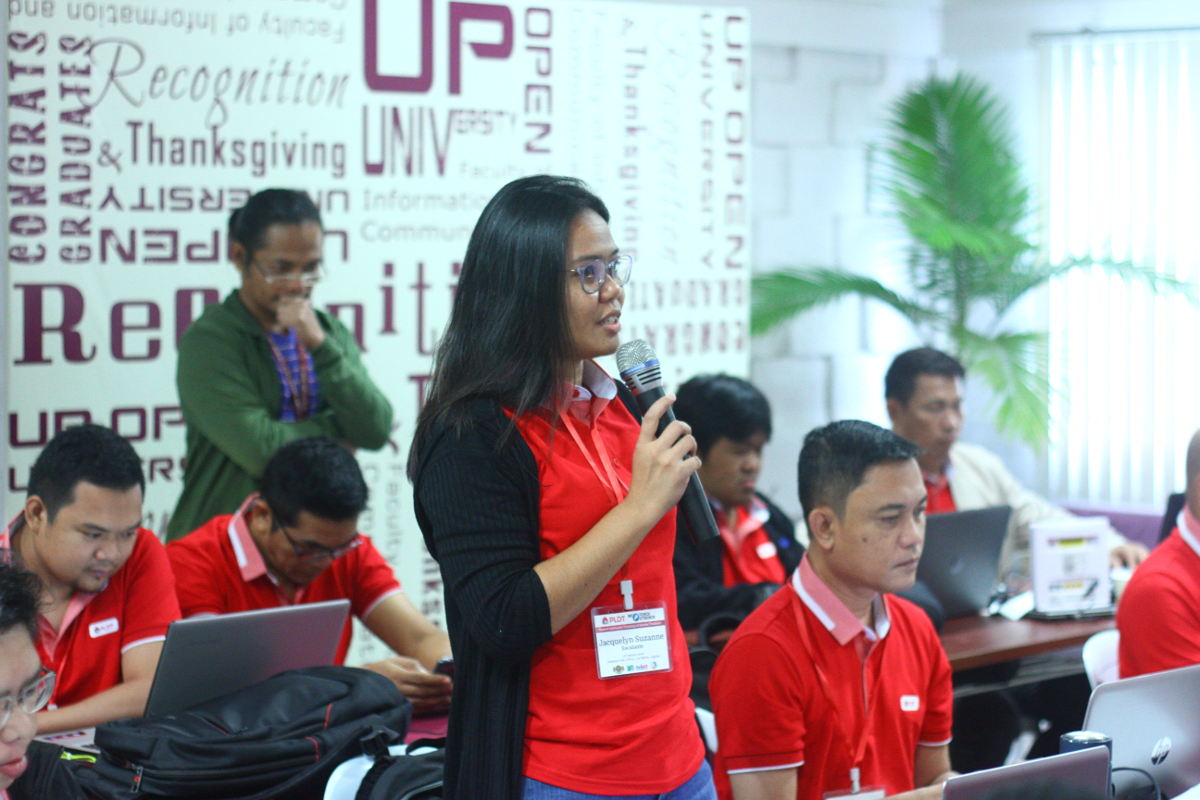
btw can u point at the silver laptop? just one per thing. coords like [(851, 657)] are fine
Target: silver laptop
[(961, 558), (1084, 769), (208, 656), (1154, 722)]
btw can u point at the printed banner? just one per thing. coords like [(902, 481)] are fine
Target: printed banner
[(134, 128)]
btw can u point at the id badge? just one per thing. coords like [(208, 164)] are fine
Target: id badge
[(633, 641), (864, 793)]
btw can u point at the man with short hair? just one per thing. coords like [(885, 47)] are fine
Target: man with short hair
[(1159, 612), (298, 542), (924, 389), (834, 684), (267, 366), (728, 576), (28, 769), (107, 589)]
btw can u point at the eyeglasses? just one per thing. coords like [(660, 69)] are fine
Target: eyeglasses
[(593, 274), (31, 699), (311, 551), (304, 277)]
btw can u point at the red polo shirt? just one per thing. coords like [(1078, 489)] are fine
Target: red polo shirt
[(940, 500), (1159, 612), (749, 555), (625, 735), (135, 608), (780, 705), (219, 570)]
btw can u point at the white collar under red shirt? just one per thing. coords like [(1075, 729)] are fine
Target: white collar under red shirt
[(1189, 528), (832, 612), (591, 395), (249, 559)]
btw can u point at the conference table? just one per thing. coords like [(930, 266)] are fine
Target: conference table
[(973, 642)]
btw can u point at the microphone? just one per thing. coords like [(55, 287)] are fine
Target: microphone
[(642, 373)]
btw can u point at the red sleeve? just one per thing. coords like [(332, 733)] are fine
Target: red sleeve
[(936, 728), (758, 701), (150, 602), (1159, 625), (197, 586), (369, 578)]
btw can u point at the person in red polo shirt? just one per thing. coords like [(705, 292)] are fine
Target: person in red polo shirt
[(551, 512), (721, 580), (298, 542), (834, 685), (1159, 612), (107, 589)]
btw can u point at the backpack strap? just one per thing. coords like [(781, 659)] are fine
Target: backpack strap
[(374, 746)]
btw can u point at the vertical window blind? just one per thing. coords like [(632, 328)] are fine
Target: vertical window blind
[(1120, 181)]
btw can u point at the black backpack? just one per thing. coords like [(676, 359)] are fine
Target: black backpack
[(277, 739), (410, 777)]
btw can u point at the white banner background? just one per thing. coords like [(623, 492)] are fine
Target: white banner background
[(132, 130)]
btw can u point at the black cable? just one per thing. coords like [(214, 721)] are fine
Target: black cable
[(1153, 782)]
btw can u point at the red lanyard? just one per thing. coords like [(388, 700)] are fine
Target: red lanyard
[(856, 751), (617, 489), (299, 389)]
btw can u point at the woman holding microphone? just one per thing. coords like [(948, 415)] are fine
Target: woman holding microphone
[(550, 510)]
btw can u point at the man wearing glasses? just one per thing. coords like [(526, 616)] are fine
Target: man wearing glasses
[(106, 585), (265, 366), (297, 542), (27, 769)]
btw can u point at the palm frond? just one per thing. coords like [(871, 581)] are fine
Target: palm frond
[(780, 295), (1014, 364), (1010, 287)]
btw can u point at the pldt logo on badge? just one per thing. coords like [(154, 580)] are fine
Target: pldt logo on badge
[(910, 702), (1162, 749)]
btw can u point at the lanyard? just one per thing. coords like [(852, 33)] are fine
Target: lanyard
[(856, 750), (301, 397), (608, 476)]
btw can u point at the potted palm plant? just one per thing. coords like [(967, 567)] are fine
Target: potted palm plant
[(952, 177)]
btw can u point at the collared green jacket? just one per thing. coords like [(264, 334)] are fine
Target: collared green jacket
[(230, 395)]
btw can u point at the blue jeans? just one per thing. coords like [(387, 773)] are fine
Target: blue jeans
[(698, 787)]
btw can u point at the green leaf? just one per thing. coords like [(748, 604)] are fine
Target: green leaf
[(1014, 364), (778, 296)]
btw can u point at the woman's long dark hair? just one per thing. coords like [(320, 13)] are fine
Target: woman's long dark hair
[(508, 338)]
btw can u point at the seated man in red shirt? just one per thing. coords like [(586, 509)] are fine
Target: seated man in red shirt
[(1159, 612), (724, 579), (107, 589), (297, 542), (834, 684)]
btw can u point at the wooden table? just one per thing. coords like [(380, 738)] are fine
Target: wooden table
[(980, 641)]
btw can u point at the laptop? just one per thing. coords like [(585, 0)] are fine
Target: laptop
[(1083, 769), (1154, 722), (207, 656), (961, 558)]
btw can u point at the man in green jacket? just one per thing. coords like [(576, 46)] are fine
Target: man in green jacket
[(265, 366)]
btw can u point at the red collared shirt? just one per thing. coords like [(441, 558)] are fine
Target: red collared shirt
[(220, 570), (631, 735), (749, 555), (135, 608), (1159, 616), (941, 500), (780, 706)]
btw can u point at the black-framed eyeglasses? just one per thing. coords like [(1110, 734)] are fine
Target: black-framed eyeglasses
[(311, 551), (308, 276), (31, 698), (593, 274)]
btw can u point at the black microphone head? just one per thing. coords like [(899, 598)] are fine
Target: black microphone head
[(638, 366)]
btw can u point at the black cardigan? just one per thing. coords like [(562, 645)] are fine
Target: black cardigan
[(477, 502), (699, 576)]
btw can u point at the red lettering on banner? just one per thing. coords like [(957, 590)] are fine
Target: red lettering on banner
[(422, 82), (24, 99), (135, 423), (119, 325), (36, 327)]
